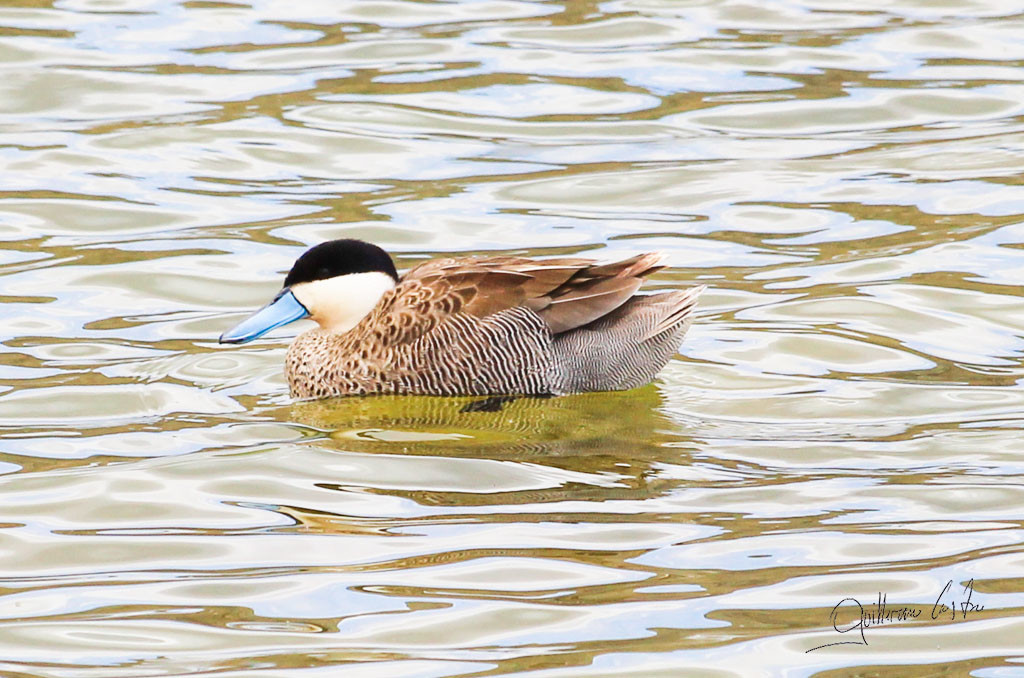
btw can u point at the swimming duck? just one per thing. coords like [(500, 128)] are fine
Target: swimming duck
[(470, 326)]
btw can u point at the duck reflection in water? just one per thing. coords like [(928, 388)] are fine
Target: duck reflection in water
[(617, 438)]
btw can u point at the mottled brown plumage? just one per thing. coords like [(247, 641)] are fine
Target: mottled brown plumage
[(500, 325)]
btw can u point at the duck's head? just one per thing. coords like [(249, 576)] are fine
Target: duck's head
[(335, 283)]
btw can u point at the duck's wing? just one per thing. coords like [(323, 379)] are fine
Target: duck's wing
[(594, 291), (565, 293)]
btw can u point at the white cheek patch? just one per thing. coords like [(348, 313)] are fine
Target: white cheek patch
[(338, 304)]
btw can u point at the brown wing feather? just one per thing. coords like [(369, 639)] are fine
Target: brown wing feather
[(634, 267), (566, 292), (585, 303)]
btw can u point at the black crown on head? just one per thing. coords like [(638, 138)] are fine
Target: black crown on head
[(340, 257)]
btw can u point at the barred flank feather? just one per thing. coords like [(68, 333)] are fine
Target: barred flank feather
[(627, 347)]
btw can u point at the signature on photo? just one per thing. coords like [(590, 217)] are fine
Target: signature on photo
[(946, 606)]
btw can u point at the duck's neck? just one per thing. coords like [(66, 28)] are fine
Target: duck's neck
[(338, 304)]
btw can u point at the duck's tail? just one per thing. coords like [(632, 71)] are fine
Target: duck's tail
[(627, 347)]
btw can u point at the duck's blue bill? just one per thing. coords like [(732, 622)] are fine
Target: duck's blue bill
[(285, 308)]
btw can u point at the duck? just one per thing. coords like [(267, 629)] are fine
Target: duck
[(470, 326)]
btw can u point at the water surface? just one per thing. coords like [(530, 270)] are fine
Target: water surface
[(843, 421)]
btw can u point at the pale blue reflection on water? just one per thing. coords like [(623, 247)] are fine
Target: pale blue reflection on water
[(842, 421)]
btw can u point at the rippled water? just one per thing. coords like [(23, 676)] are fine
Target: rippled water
[(844, 420)]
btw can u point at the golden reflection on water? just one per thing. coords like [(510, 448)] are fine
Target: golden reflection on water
[(843, 420)]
